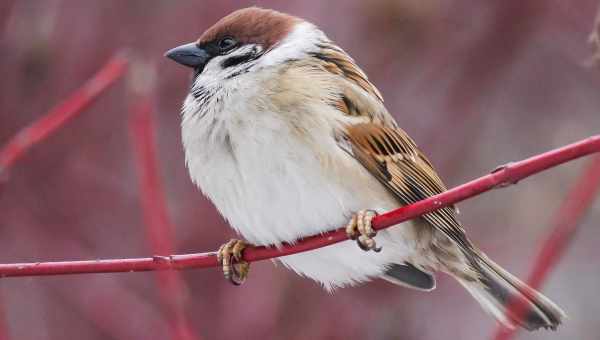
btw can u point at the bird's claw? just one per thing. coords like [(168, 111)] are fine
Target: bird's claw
[(360, 229), (230, 258)]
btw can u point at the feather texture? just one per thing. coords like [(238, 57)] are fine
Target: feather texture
[(393, 157)]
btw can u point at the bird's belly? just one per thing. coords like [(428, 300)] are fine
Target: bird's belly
[(272, 196), (345, 264)]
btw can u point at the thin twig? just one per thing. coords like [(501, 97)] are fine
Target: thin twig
[(566, 221), (65, 111), (502, 176)]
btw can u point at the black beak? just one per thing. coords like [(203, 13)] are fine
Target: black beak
[(189, 55)]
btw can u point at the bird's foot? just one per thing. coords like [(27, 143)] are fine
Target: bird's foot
[(229, 256), (359, 228)]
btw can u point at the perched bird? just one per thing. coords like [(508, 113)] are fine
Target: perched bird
[(288, 138)]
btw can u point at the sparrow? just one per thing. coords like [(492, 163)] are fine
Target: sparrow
[(288, 138)]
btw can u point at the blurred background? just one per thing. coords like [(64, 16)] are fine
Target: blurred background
[(476, 83)]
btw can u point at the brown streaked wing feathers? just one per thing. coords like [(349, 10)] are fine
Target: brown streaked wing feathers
[(393, 157)]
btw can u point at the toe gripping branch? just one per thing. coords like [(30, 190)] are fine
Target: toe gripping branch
[(236, 269), (229, 255), (360, 229)]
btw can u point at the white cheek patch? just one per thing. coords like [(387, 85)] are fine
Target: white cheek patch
[(217, 80), (302, 40)]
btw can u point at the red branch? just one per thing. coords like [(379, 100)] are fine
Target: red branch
[(501, 177), (62, 113), (159, 229), (573, 209)]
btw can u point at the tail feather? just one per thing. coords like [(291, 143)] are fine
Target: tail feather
[(496, 290)]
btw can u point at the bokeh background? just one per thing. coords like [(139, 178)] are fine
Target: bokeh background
[(476, 83)]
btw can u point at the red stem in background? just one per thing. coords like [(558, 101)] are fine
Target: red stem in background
[(594, 40), (159, 229), (578, 201), (56, 118), (62, 113), (503, 176), (573, 209)]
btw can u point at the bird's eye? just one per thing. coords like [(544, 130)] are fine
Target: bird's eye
[(227, 44)]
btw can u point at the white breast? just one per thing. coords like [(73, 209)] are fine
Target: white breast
[(276, 174)]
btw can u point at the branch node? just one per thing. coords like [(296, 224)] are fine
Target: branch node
[(502, 167), (162, 259)]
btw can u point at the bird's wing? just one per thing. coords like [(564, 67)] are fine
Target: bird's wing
[(380, 146), (393, 157)]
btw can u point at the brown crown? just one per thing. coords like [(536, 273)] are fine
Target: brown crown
[(252, 25)]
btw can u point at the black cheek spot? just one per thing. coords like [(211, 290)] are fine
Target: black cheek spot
[(237, 60), (237, 73)]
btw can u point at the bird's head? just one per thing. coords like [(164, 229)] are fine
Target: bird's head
[(246, 40)]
